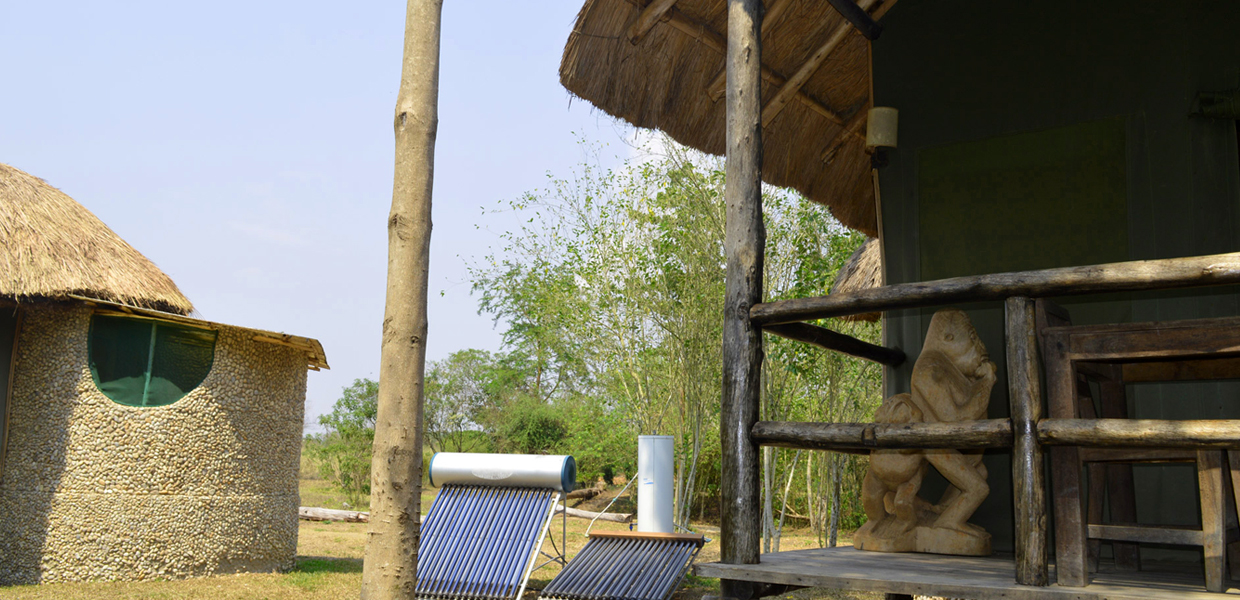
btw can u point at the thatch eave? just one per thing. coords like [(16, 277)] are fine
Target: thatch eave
[(316, 358)]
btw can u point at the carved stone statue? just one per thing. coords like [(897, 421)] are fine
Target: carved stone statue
[(951, 382)]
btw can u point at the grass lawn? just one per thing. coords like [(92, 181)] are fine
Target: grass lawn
[(329, 565)]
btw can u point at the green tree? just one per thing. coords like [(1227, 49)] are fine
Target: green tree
[(612, 291), (462, 392), (343, 450)]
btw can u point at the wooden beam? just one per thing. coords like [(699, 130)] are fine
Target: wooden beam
[(987, 433), (651, 14), (831, 340), (850, 131), (772, 16), (1219, 434), (780, 100), (858, 18), (808, 68), (1028, 479), (713, 40), (1161, 534), (744, 247), (1168, 273)]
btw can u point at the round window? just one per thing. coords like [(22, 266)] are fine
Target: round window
[(144, 362)]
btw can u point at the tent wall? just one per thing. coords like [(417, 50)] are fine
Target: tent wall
[(1088, 105), (8, 333)]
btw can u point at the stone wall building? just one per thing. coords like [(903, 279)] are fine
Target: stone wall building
[(135, 441)]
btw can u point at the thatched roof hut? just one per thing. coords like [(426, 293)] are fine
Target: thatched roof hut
[(670, 77), (183, 434), (862, 271), (52, 248)]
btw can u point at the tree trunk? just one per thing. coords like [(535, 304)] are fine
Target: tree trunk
[(768, 511), (783, 509), (837, 477), (390, 569)]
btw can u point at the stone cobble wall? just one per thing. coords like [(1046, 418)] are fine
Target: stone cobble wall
[(92, 489)]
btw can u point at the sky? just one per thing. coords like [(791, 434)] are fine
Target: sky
[(246, 148)]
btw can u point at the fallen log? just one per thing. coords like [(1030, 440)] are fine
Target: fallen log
[(312, 513), (585, 514), (585, 493)]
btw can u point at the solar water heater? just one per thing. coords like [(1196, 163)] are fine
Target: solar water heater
[(626, 565), (485, 530)]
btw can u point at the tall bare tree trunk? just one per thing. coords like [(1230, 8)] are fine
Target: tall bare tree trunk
[(390, 570)]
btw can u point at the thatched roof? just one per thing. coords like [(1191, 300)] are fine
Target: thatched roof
[(667, 78), (862, 271), (52, 248)]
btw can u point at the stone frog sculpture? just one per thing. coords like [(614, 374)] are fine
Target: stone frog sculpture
[(951, 382)]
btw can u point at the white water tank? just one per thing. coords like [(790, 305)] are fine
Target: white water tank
[(654, 486), (504, 470)]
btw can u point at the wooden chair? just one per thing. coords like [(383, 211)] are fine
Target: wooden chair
[(1107, 355)]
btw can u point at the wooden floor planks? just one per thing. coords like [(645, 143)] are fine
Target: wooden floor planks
[(949, 576)]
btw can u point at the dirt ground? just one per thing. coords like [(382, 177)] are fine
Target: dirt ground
[(329, 565)]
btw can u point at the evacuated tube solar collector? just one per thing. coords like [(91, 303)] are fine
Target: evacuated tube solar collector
[(486, 527)]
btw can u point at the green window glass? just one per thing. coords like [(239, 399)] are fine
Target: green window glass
[(141, 362)]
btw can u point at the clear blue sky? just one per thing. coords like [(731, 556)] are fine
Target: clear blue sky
[(246, 148)]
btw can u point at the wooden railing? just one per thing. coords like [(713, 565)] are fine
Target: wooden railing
[(1026, 432)]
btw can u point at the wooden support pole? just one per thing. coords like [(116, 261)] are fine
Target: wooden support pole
[(809, 67), (1213, 518), (1221, 434), (832, 340), (1122, 497), (1167, 273), (650, 15), (772, 16), (987, 433), (390, 570), (1028, 479), (744, 245), (1071, 558)]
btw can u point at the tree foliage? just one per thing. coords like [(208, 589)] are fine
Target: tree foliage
[(610, 296), (613, 290), (343, 450)]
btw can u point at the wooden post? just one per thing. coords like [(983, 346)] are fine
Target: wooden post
[(744, 244), (1028, 479), (1071, 568), (390, 569)]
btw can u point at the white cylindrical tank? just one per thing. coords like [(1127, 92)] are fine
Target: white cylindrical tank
[(507, 470), (654, 488)]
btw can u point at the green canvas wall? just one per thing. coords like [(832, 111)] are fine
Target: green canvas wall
[(1035, 200), (1080, 103), (8, 329)]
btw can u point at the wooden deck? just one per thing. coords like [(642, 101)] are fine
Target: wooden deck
[(990, 578)]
